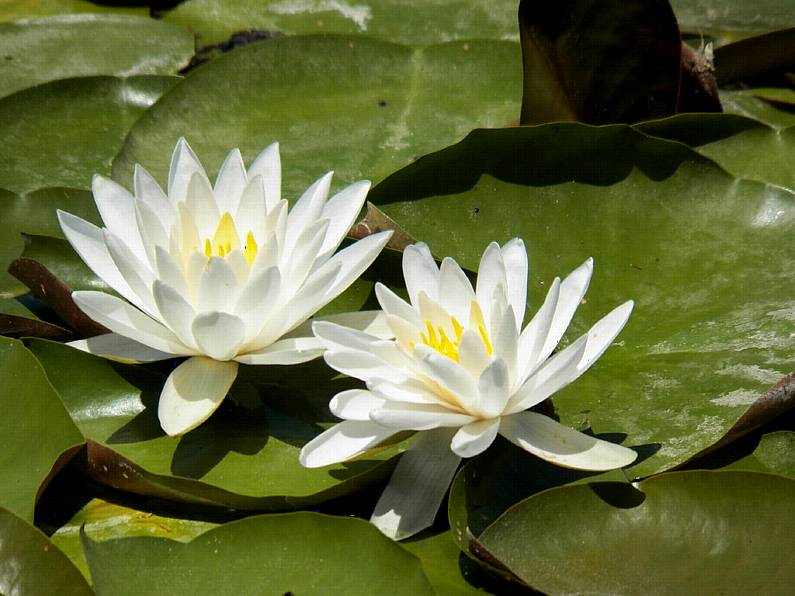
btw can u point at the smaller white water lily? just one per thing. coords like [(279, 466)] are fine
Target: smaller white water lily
[(462, 370), (222, 274)]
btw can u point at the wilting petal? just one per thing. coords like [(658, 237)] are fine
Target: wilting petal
[(192, 392), (343, 441), (475, 437), (118, 347), (561, 445), (411, 500), (354, 404), (285, 351)]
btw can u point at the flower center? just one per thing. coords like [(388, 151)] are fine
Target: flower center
[(225, 240), (437, 338)]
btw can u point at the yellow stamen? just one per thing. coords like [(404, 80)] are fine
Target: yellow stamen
[(251, 248), (476, 321), (437, 339)]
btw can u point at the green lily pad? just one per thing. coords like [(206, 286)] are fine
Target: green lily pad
[(732, 19), (725, 532), (356, 105), (38, 433), (34, 213), (745, 104), (744, 147), (43, 49), (244, 457), (414, 22), (25, 9), (440, 559), (31, 564), (61, 133), (700, 252), (106, 521), (298, 553)]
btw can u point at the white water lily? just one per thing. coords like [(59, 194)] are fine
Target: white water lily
[(222, 274), (462, 370)]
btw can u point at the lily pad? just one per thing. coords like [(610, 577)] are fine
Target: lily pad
[(57, 47), (38, 433), (62, 133), (360, 106), (414, 22), (31, 564), (14, 10), (732, 19), (244, 457), (290, 553), (441, 561), (725, 532), (700, 252)]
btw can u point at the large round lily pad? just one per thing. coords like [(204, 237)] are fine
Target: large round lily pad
[(359, 106), (702, 254), (683, 532)]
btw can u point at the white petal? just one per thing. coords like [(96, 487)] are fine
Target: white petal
[(285, 351), (175, 311), (602, 334), (148, 191), (259, 297), (474, 438), (186, 232), (218, 334), (534, 336), (169, 271), (415, 491), (354, 404), (151, 229), (405, 333), (572, 290), (494, 388), (364, 365), (413, 416), (491, 273), (395, 305), (251, 212), (410, 390), (137, 275), (124, 319), (309, 299), (268, 165), (218, 289), (337, 337), (89, 242), (116, 206), (506, 343), (449, 374), (561, 445), (472, 352), (341, 210), (201, 204), (343, 441), (514, 254), (184, 164), (434, 313), (420, 272), (239, 264), (230, 182), (118, 347), (306, 210), (298, 263), (192, 392), (372, 322), (455, 290)]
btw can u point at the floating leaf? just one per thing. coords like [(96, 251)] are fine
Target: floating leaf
[(64, 132), (441, 562), (729, 531), (297, 553), (700, 252), (732, 19), (14, 10)]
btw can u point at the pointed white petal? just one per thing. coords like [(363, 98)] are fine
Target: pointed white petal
[(218, 289), (258, 298), (337, 337), (354, 404), (413, 416), (251, 213), (285, 351), (455, 290), (268, 165), (494, 388), (239, 264), (435, 314), (148, 191), (124, 319), (118, 347), (218, 334), (411, 500), (341, 210), (395, 305), (472, 352), (152, 232), (230, 182), (137, 274), (410, 390), (534, 336), (602, 334), (364, 366), (176, 313), (192, 392), (572, 290), (448, 374), (491, 273), (561, 445), (476, 437), (201, 204), (116, 206), (420, 272), (514, 255), (506, 343), (306, 210), (169, 271), (405, 333), (298, 263), (184, 164), (343, 441), (371, 322)]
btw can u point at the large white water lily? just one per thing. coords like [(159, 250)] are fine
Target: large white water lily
[(223, 274), (462, 369)]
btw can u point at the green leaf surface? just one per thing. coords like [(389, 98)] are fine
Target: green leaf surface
[(25, 9), (356, 105), (683, 532), (35, 213), (244, 457), (31, 564), (732, 19), (744, 147), (413, 22), (62, 133), (36, 430), (43, 49), (298, 553), (700, 252), (440, 559), (746, 104)]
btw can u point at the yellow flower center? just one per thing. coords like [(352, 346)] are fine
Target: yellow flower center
[(225, 240), (437, 338)]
